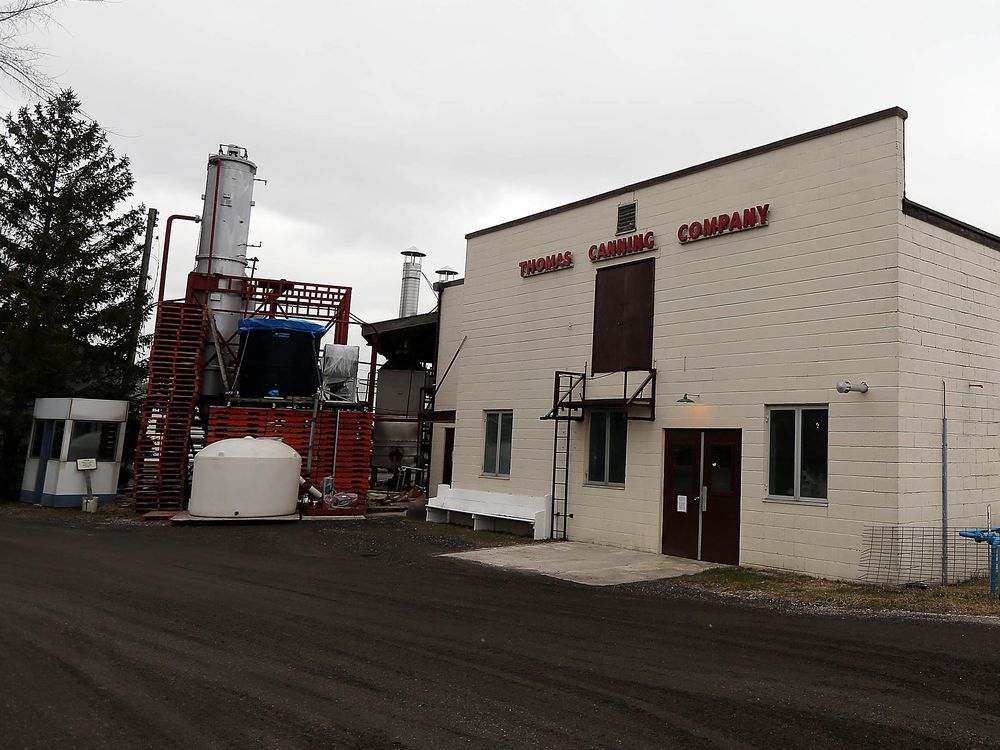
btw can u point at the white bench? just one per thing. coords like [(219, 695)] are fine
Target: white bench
[(487, 507)]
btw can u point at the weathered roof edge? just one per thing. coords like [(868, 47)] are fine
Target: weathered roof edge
[(439, 285), (943, 221), (756, 151), (369, 330)]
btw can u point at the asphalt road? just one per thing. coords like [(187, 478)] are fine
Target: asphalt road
[(115, 635)]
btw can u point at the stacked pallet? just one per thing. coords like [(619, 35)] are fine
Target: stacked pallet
[(171, 393), (342, 440)]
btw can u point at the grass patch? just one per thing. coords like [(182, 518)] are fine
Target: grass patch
[(479, 538), (970, 598)]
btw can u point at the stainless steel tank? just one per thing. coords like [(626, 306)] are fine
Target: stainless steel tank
[(222, 247)]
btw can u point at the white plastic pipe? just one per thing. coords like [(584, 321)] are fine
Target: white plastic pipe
[(313, 492)]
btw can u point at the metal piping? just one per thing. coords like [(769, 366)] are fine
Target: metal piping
[(336, 444), (371, 374), (438, 385), (702, 492), (310, 488), (166, 249), (312, 433), (944, 482), (215, 212)]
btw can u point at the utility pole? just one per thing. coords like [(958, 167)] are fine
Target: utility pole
[(140, 287)]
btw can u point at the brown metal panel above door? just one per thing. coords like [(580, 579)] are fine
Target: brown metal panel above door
[(623, 317)]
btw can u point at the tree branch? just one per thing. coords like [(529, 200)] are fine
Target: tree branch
[(20, 62)]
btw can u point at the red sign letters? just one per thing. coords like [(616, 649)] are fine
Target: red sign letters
[(737, 221), (620, 246), (556, 262), (616, 248)]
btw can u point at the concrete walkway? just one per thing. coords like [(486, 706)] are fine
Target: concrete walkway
[(591, 564)]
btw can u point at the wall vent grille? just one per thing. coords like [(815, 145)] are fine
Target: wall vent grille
[(626, 218)]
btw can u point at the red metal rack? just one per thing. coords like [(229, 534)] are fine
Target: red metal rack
[(268, 298), (175, 361), (341, 437), (167, 411)]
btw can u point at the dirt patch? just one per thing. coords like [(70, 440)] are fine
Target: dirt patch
[(114, 513), (970, 598), (465, 534)]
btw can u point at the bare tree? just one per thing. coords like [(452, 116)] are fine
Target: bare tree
[(20, 62)]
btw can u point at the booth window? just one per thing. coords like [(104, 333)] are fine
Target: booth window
[(797, 455), (496, 456), (93, 440), (623, 317), (606, 456), (38, 438), (37, 433), (58, 430), (626, 218)]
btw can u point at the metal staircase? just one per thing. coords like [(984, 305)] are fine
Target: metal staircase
[(168, 408)]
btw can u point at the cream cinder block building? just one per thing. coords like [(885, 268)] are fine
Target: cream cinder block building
[(703, 321)]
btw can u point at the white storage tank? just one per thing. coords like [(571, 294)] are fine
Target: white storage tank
[(245, 478)]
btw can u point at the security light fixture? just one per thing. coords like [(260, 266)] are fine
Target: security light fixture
[(687, 399), (844, 386)]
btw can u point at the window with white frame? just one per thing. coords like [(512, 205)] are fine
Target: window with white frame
[(94, 440), (606, 454), (496, 454), (797, 453)]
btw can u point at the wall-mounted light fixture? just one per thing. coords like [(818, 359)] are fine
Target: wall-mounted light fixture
[(685, 399), (844, 386)]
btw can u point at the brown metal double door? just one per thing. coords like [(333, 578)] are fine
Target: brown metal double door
[(701, 495)]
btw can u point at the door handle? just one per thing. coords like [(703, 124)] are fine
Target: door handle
[(703, 498)]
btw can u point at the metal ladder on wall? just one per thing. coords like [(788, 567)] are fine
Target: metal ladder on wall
[(425, 434), (560, 478), (563, 412)]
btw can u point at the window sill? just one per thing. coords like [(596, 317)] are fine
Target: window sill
[(604, 485), (793, 501), (494, 476)]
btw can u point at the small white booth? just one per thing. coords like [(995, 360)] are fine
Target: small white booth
[(65, 430)]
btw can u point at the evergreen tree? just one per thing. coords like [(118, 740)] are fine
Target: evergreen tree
[(69, 264)]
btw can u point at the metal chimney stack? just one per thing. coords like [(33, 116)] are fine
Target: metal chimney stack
[(409, 291), (446, 274)]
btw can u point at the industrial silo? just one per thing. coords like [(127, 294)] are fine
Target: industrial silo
[(222, 249)]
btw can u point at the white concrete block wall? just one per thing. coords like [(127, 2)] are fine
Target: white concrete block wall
[(775, 315), (451, 330), (949, 319), (437, 459)]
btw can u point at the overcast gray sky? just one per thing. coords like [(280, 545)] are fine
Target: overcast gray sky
[(381, 125)]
